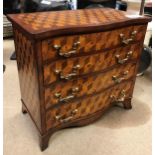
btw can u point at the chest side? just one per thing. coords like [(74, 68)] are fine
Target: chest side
[(28, 75)]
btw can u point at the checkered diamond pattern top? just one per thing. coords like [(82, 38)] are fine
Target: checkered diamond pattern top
[(57, 19), (41, 22)]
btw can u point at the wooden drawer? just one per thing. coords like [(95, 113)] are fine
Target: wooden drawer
[(80, 108), (66, 91), (68, 46), (74, 67)]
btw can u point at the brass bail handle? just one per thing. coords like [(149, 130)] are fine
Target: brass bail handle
[(69, 53), (119, 79), (73, 94), (70, 117), (122, 61), (127, 41), (120, 98), (70, 75)]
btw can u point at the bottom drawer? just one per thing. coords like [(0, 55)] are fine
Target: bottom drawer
[(70, 111)]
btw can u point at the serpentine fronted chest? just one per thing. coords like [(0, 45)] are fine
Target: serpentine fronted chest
[(73, 65)]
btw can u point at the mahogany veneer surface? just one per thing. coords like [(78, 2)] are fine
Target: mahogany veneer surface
[(73, 65)]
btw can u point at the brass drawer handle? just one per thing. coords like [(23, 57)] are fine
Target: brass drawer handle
[(122, 61), (70, 75), (120, 98), (127, 41), (69, 53), (74, 91), (64, 120), (118, 79)]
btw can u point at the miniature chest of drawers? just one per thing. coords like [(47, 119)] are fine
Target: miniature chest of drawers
[(73, 65)]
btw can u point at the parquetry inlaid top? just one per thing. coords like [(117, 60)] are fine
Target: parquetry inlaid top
[(44, 22)]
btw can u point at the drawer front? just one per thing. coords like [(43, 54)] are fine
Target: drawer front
[(68, 46), (70, 68), (66, 91), (80, 108)]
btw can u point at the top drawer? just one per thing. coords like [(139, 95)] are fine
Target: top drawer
[(68, 46)]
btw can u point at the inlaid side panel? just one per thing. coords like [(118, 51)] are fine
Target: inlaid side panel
[(84, 86), (71, 111), (89, 43), (28, 79), (91, 63)]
